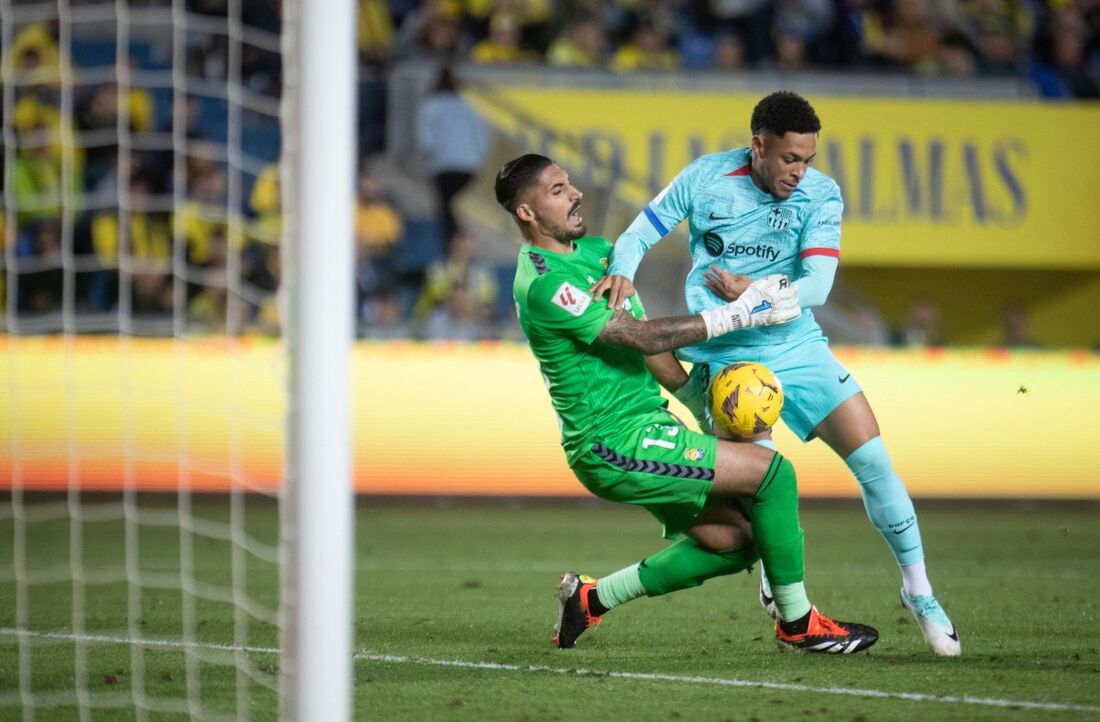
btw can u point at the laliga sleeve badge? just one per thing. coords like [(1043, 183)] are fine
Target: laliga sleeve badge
[(571, 298)]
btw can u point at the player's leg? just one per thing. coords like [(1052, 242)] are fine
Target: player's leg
[(852, 431), (677, 475), (665, 468), (773, 510), (682, 565), (767, 598), (720, 543)]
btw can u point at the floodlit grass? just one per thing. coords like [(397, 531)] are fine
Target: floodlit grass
[(454, 608)]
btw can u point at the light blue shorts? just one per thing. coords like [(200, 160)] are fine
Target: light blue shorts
[(814, 382)]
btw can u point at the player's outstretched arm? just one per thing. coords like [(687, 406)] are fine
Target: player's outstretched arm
[(765, 302), (652, 337)]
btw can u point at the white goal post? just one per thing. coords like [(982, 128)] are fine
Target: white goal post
[(318, 180), (165, 548)]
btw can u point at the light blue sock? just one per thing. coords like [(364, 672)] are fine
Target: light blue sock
[(887, 501)]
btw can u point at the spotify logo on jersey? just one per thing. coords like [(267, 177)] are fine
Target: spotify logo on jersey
[(713, 243)]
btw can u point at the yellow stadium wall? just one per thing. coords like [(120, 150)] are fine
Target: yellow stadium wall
[(475, 419)]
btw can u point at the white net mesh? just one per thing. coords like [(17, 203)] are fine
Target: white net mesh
[(142, 380)]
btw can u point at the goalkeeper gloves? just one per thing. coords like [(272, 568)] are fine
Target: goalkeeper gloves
[(696, 402), (767, 301)]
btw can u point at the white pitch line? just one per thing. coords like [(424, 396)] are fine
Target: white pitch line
[(369, 656), (727, 682)]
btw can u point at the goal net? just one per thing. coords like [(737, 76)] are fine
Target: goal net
[(145, 526)]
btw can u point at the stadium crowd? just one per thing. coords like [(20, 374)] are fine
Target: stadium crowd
[(1055, 42), (190, 218)]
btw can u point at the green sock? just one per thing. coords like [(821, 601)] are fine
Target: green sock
[(790, 601), (778, 536), (620, 587), (685, 564)]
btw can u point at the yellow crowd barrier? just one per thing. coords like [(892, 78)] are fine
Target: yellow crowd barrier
[(457, 419)]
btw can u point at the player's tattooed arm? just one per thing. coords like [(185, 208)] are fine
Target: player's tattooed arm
[(652, 337)]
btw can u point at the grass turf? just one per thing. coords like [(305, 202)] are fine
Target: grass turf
[(442, 590)]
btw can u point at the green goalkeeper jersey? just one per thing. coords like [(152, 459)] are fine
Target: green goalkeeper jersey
[(593, 387)]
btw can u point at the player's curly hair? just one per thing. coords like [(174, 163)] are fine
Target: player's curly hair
[(784, 112), (516, 175)]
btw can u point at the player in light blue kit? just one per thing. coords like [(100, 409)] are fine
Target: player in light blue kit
[(759, 211)]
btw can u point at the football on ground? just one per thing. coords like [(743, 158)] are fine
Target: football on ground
[(745, 399)]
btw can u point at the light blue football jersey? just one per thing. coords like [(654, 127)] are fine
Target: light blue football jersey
[(738, 227)]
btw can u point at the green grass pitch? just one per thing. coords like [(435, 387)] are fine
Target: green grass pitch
[(454, 608)]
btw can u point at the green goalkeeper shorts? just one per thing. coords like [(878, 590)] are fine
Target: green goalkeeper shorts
[(656, 463)]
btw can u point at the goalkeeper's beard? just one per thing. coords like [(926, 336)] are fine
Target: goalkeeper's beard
[(563, 235)]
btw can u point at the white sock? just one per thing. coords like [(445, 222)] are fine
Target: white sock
[(915, 579)]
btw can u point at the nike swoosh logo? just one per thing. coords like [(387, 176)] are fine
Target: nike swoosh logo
[(954, 634), (842, 379), (720, 218), (904, 528)]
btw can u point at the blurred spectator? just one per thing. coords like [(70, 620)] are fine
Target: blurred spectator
[(260, 255), (3, 246), (34, 54), (998, 30), (858, 23), (581, 44), (647, 50), (39, 252), (459, 295), (381, 317), (38, 176), (749, 20), (98, 111), (529, 19), (148, 255), (503, 43), (908, 37), (1062, 68), (208, 307), (378, 229), (265, 205), (204, 213), (375, 33), (453, 140), (957, 56), (432, 31), (921, 326), (799, 26), (790, 52), (460, 317), (729, 52), (1015, 327), (261, 70)]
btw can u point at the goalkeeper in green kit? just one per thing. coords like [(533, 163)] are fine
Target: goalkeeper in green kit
[(733, 503)]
